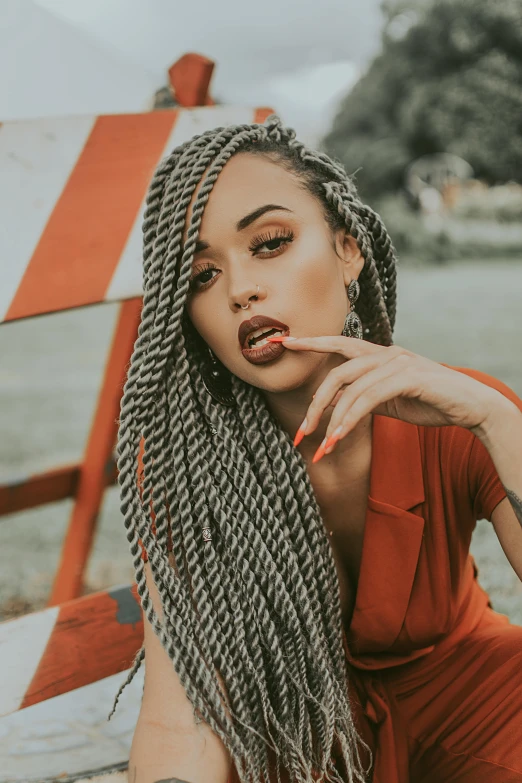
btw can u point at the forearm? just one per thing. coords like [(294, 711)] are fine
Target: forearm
[(502, 436), (159, 754)]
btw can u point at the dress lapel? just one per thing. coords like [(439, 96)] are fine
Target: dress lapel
[(392, 536)]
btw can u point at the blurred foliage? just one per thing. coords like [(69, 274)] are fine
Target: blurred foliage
[(502, 203), (448, 79), (454, 239)]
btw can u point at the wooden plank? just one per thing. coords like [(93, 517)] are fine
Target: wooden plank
[(190, 80), (73, 191), (59, 649), (84, 237), (68, 581), (25, 492)]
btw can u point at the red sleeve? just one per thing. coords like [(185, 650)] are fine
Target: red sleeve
[(485, 487)]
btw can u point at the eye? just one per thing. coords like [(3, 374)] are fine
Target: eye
[(198, 277), (281, 237)]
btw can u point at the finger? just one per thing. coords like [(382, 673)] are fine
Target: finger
[(334, 385), (369, 392), (346, 346), (332, 389)]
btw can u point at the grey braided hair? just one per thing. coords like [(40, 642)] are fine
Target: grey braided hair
[(257, 608)]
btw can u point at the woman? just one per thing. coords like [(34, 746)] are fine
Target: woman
[(313, 614)]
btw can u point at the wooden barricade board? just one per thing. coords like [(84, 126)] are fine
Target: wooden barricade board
[(61, 648), (72, 193)]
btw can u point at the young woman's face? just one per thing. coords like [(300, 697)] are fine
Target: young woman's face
[(288, 252)]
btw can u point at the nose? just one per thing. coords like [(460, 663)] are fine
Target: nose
[(243, 299)]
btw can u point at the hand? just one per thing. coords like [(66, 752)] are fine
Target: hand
[(390, 381)]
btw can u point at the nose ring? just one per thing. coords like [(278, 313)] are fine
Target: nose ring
[(248, 305)]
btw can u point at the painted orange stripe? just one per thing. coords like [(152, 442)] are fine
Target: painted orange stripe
[(82, 242), (93, 637)]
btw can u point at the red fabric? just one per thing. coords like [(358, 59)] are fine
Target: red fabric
[(436, 672)]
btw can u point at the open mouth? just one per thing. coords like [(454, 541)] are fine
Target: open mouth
[(258, 338)]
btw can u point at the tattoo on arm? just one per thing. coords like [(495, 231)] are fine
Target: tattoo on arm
[(516, 503)]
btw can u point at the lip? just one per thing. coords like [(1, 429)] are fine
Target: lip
[(265, 354), (257, 322)]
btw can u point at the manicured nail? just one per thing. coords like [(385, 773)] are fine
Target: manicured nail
[(300, 433), (320, 452), (332, 440), (280, 339)]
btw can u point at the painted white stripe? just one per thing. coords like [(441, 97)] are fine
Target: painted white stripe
[(22, 643), (36, 160), (127, 278)]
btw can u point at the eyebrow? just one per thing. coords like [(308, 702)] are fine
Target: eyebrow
[(244, 222)]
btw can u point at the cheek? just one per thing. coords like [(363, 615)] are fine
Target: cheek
[(317, 291)]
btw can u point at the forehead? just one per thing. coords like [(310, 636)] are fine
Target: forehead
[(245, 183)]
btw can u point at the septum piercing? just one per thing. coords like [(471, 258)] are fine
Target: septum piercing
[(248, 305)]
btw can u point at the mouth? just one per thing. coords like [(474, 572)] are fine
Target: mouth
[(264, 353), (252, 338)]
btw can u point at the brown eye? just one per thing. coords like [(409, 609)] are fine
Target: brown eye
[(280, 238), (198, 278)]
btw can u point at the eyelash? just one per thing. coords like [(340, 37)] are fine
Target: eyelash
[(286, 235)]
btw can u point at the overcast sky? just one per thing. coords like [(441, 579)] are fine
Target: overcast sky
[(299, 57)]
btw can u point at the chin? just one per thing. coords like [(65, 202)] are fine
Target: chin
[(281, 382)]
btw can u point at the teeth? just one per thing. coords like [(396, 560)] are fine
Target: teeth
[(259, 332), (262, 342)]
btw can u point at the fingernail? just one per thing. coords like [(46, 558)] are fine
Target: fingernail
[(279, 338), (332, 440), (320, 452), (300, 432)]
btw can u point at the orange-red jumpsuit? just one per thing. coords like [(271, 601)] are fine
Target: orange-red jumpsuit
[(436, 673)]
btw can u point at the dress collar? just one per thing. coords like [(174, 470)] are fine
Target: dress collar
[(396, 467), (392, 537)]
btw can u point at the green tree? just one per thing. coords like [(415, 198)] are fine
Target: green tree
[(448, 79)]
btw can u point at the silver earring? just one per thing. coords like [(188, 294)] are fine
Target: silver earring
[(352, 324)]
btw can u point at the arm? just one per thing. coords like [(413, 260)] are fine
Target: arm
[(501, 434), (167, 744)]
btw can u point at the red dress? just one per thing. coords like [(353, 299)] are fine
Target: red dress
[(436, 673)]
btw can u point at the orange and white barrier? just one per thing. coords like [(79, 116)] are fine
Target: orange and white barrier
[(59, 649), (72, 195)]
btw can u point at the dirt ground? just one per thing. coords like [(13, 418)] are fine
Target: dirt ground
[(463, 314)]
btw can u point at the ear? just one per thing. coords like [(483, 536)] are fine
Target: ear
[(350, 254)]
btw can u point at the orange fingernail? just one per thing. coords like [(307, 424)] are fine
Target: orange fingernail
[(280, 339), (300, 433), (332, 440), (320, 452)]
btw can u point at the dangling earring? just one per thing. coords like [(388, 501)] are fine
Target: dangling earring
[(216, 382), (352, 324)]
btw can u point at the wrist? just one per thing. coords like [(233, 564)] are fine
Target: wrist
[(502, 420)]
